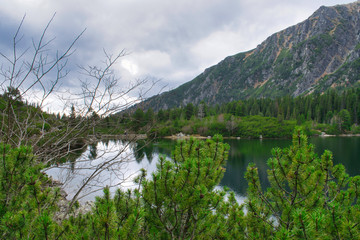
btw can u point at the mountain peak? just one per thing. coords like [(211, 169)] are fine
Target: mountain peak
[(319, 53)]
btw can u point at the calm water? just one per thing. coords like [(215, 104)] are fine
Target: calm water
[(122, 162), (346, 150)]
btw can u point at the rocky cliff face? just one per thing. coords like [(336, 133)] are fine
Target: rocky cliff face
[(319, 53)]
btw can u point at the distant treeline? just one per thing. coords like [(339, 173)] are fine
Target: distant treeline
[(331, 112)]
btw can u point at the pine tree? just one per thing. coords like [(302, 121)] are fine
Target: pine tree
[(138, 120), (345, 120), (180, 200), (309, 198), (189, 111), (149, 116), (26, 207)]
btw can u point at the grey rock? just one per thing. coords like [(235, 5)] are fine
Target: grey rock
[(319, 53)]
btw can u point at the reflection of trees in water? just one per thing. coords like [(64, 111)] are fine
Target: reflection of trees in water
[(93, 151), (106, 142), (146, 148), (149, 150), (139, 151), (73, 156), (242, 152), (165, 147)]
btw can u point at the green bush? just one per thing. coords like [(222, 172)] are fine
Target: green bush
[(217, 128), (309, 198), (355, 129), (27, 206)]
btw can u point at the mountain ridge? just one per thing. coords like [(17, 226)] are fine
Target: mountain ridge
[(314, 55)]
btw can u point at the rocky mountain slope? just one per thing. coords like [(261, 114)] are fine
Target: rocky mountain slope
[(319, 53)]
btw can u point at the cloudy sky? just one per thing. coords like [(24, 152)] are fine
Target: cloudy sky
[(169, 40)]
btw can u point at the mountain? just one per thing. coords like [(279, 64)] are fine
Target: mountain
[(319, 53)]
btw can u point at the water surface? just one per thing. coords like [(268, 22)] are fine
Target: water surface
[(121, 162)]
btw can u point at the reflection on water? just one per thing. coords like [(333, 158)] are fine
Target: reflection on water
[(245, 151), (121, 162), (346, 150), (108, 163)]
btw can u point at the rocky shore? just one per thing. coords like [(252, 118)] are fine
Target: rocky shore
[(64, 203)]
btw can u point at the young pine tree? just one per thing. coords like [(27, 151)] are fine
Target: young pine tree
[(27, 205), (180, 199), (309, 198)]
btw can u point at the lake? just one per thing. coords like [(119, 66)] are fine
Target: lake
[(121, 162), (346, 150)]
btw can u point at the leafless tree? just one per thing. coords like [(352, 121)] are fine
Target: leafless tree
[(100, 95)]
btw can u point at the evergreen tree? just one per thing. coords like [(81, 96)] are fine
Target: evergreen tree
[(328, 117), (189, 111), (255, 109), (345, 120), (180, 200), (149, 116), (12, 94), (239, 111), (26, 207), (138, 120), (72, 116), (309, 198)]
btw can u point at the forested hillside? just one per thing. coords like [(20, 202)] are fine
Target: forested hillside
[(331, 112)]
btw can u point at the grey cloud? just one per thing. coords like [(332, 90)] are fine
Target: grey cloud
[(188, 35)]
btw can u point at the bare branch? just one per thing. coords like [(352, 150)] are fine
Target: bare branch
[(54, 139)]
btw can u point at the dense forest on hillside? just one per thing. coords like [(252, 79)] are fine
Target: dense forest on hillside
[(332, 112)]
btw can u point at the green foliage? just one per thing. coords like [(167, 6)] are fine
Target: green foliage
[(26, 205), (355, 129), (321, 41), (344, 120), (268, 127), (217, 128), (283, 64), (268, 117), (308, 197), (138, 119), (189, 111), (180, 200), (12, 94)]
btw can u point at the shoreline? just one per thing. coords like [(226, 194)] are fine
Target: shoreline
[(178, 137), (136, 137), (339, 135)]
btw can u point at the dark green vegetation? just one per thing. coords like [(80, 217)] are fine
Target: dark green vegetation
[(315, 55), (27, 203), (309, 198), (52, 137), (332, 112)]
